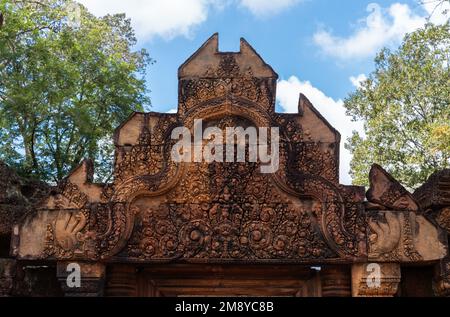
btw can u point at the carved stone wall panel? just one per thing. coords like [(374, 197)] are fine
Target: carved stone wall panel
[(403, 236), (225, 229), (197, 91)]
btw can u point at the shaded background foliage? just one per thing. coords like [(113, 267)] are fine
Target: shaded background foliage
[(405, 106), (67, 79)]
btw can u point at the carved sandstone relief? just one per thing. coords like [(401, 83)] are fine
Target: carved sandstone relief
[(254, 213), (402, 234), (228, 229)]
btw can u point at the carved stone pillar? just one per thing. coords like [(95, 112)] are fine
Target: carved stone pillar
[(441, 282), (375, 279), (7, 274), (336, 281), (121, 280), (91, 275)]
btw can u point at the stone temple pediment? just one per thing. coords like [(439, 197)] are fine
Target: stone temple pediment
[(156, 210)]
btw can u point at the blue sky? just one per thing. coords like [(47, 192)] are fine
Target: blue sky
[(318, 47)]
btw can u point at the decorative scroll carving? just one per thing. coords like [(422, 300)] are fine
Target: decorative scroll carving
[(150, 157), (72, 194), (88, 235), (386, 236), (302, 154), (211, 231), (68, 228), (434, 198), (219, 211)]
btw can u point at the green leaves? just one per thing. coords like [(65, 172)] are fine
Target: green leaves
[(405, 105), (64, 86)]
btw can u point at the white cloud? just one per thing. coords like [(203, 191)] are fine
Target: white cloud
[(288, 92), (266, 7), (172, 18), (439, 11), (152, 18), (172, 111), (382, 27), (356, 81)]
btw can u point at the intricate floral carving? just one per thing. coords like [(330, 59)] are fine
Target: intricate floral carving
[(70, 196), (195, 92), (299, 153)]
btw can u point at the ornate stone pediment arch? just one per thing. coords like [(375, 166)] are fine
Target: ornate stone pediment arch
[(158, 211)]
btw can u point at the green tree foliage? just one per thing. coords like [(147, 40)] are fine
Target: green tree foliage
[(67, 79), (405, 105)]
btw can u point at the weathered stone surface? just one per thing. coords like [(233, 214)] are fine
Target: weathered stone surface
[(7, 275), (388, 192), (441, 281), (434, 198), (33, 234), (397, 231), (36, 281), (17, 197), (404, 236), (336, 281)]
